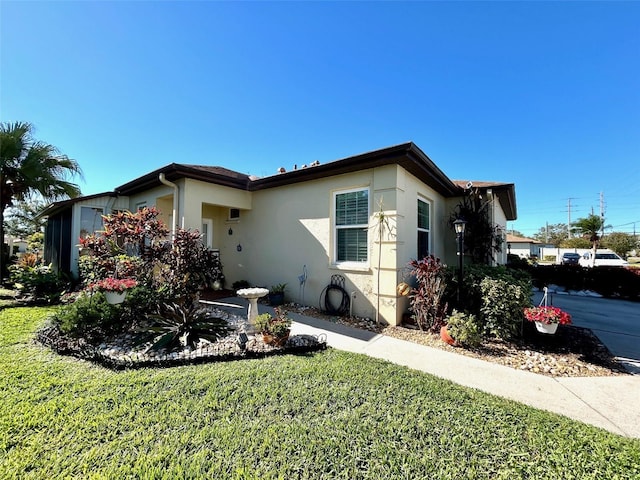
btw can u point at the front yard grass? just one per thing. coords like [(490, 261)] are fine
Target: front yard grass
[(331, 415)]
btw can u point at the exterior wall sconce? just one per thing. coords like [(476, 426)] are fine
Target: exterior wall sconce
[(230, 232)]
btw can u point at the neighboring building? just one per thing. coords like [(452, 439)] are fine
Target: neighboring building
[(523, 247), (322, 217)]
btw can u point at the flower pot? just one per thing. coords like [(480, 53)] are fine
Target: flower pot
[(275, 341), (115, 298), (446, 338), (276, 299), (548, 328)]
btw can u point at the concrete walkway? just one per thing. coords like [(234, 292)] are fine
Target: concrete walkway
[(606, 402)]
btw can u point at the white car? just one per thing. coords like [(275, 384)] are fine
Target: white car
[(609, 259)]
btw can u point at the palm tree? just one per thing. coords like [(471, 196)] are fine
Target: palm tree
[(29, 166), (590, 227)]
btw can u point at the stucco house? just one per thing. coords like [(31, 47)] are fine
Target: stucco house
[(320, 218), (523, 247)]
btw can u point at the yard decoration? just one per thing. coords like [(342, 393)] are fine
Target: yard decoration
[(114, 289), (547, 318)]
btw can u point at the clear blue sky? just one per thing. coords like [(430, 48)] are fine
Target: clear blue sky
[(545, 95)]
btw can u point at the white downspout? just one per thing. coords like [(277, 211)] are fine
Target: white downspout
[(176, 202)]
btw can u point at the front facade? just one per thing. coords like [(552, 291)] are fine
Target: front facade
[(363, 217)]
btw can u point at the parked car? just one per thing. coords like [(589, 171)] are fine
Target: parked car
[(602, 260), (570, 258)]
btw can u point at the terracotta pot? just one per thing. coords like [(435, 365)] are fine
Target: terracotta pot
[(446, 338), (275, 341)]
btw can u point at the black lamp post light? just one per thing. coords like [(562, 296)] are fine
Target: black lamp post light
[(459, 225)]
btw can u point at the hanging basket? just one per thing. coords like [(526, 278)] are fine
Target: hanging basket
[(115, 298), (548, 328)]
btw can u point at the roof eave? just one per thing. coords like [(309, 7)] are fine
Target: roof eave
[(407, 155), (175, 171)]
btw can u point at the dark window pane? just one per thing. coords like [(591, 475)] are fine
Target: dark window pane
[(423, 244), (423, 215), (352, 245)]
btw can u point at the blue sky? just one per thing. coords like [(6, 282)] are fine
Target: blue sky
[(542, 94)]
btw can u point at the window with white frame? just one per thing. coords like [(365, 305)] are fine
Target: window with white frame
[(351, 216), (90, 220), (423, 228)]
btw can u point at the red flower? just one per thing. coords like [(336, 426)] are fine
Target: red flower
[(547, 315)]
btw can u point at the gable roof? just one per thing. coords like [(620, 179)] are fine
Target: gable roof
[(517, 239), (174, 171), (505, 192)]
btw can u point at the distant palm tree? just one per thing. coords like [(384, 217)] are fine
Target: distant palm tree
[(28, 166), (590, 228)]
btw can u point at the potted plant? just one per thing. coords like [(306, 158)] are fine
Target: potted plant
[(547, 318), (462, 330), (275, 329), (276, 294), (114, 289)]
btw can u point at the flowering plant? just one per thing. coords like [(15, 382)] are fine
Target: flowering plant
[(111, 284), (278, 325), (547, 315)]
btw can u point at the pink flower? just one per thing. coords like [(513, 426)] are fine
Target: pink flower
[(111, 284), (547, 315)]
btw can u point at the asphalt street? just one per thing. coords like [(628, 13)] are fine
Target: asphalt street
[(615, 322)]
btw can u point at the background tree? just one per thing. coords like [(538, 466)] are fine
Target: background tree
[(589, 228), (554, 234), (619, 242), (21, 219), (575, 242), (29, 166)]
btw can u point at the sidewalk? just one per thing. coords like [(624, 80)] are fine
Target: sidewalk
[(610, 403)]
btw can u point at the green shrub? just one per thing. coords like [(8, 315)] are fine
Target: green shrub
[(39, 283), (465, 329), (87, 314), (471, 297), (503, 303)]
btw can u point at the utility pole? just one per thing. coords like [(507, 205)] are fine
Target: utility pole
[(569, 218), (546, 233), (602, 212)]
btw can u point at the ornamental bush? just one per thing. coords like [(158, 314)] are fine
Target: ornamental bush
[(89, 314), (38, 283), (502, 307), (426, 297), (496, 295)]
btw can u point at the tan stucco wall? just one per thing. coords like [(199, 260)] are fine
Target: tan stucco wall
[(291, 226)]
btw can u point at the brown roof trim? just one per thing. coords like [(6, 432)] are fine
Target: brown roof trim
[(407, 155), (506, 193), (57, 207), (175, 171)]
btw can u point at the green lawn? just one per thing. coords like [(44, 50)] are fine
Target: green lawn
[(325, 415)]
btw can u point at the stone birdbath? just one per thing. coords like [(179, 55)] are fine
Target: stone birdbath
[(252, 294)]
